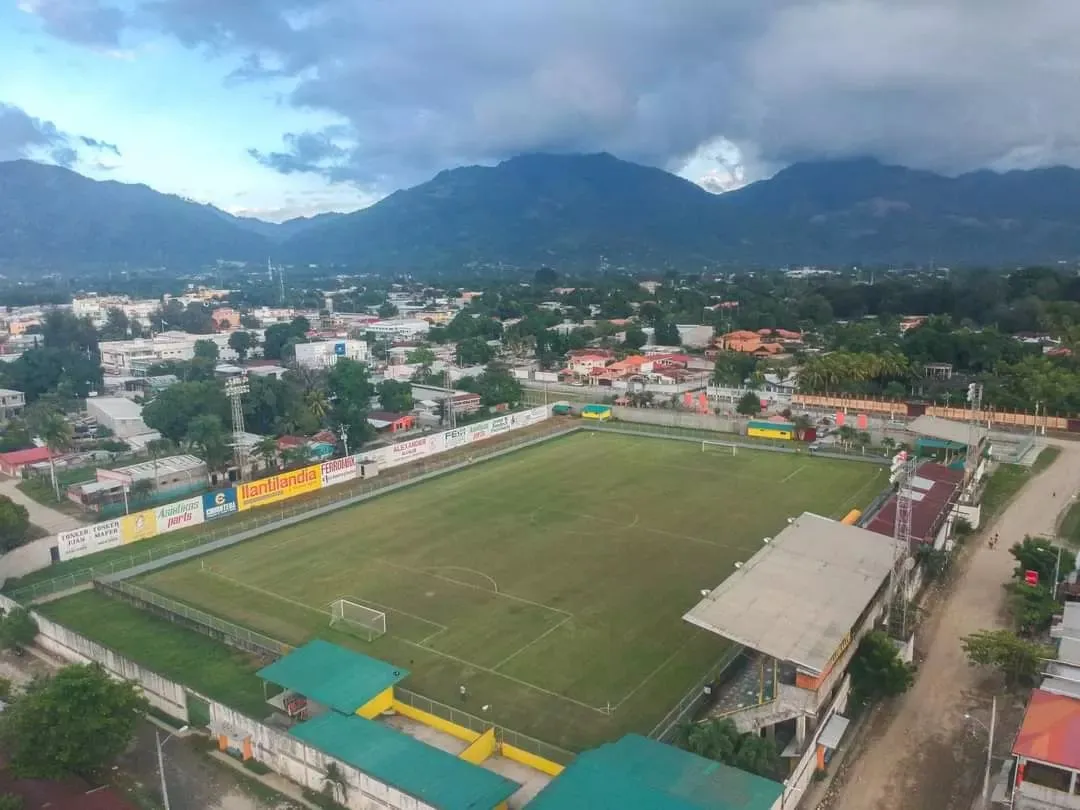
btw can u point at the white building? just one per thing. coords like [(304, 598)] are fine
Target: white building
[(96, 308), (119, 414), (325, 353), (398, 329), (11, 403), (126, 357)]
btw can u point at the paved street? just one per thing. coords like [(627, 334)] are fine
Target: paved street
[(927, 755)]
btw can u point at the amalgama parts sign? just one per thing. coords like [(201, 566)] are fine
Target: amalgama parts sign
[(179, 515)]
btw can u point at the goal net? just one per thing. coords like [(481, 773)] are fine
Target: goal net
[(359, 620), (727, 448)]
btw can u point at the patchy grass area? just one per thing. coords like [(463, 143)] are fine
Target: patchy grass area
[(551, 582), (1008, 479)]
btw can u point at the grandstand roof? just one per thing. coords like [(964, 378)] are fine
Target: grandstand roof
[(799, 596), (430, 774), (341, 679), (948, 429), (636, 773), (934, 487)]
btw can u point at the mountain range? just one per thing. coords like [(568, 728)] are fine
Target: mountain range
[(566, 211)]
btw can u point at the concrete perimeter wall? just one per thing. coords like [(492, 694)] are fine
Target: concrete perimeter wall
[(281, 753)]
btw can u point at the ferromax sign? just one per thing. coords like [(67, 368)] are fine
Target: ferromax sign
[(220, 504)]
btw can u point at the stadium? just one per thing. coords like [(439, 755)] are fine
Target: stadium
[(541, 592)]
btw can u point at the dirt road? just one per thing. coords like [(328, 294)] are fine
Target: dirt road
[(35, 554), (923, 755)]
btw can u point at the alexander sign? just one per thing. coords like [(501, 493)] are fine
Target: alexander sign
[(279, 487), (179, 515), (413, 448)]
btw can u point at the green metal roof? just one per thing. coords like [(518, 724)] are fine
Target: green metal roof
[(424, 772), (331, 675), (636, 773)]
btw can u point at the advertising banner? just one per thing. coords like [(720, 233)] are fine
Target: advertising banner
[(500, 424), (279, 487), (220, 504), (179, 515), (339, 470), (138, 526), (539, 414), (88, 539), (411, 450), (458, 437), (479, 431), (381, 457)]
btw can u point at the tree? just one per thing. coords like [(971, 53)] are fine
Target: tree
[(496, 386), (17, 629), (14, 524), (206, 350), (474, 351), (141, 490), (117, 325), (9, 801), (1017, 659), (420, 356), (395, 397), (876, 669), (266, 449), (1035, 554), (77, 722), (277, 336), (62, 330), (1033, 606), (847, 435), (242, 343), (350, 388), (170, 412), (387, 310), (545, 277), (666, 333), (720, 740), (635, 338), (803, 424), (207, 435), (749, 404), (757, 755), (54, 429)]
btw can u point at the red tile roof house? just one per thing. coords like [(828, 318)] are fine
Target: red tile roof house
[(15, 462), (1047, 751)]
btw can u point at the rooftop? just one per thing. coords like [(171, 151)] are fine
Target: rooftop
[(170, 464), (117, 407), (334, 676), (948, 429), (29, 456), (431, 775), (1050, 732), (934, 488), (636, 773), (800, 595)]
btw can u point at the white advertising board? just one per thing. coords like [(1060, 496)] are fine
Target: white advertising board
[(410, 450), (179, 515), (339, 470), (88, 539)]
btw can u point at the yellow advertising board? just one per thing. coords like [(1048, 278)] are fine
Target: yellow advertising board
[(279, 487), (138, 526)]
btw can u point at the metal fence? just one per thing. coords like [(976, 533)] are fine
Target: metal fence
[(178, 612), (148, 552), (479, 725), (688, 706)]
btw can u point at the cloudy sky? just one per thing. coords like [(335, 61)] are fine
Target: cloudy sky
[(285, 107)]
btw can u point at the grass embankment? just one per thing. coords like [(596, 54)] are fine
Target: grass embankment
[(1008, 479)]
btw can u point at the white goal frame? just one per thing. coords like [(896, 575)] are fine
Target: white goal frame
[(727, 445), (359, 620)]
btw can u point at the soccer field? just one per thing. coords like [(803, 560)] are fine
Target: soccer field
[(551, 581)]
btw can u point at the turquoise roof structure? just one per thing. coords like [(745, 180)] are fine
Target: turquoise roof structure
[(336, 677), (427, 773), (637, 773)]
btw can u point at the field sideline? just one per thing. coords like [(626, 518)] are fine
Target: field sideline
[(550, 582)]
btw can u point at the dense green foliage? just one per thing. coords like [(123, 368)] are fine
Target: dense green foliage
[(722, 741), (876, 669), (1017, 659), (14, 524)]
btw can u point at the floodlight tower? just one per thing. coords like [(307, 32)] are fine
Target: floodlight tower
[(971, 462), (902, 473), (235, 388)]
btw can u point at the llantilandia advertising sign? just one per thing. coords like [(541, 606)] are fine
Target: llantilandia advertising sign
[(279, 487)]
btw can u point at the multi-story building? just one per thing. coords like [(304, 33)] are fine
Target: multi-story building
[(134, 357), (11, 403), (399, 329), (326, 353), (96, 308)]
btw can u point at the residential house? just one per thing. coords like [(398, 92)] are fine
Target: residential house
[(15, 462), (387, 422), (746, 342), (581, 362), (12, 403)]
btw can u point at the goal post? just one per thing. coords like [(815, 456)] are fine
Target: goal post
[(359, 620), (727, 448)]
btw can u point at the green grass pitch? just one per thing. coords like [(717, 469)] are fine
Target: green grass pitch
[(551, 582)]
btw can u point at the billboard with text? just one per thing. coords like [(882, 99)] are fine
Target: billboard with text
[(278, 487), (179, 515), (219, 504), (138, 526), (339, 470), (88, 539)]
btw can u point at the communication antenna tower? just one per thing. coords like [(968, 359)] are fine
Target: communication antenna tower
[(235, 388), (281, 283), (902, 474)]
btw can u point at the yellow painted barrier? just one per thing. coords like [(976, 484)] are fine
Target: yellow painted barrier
[(532, 760), (482, 748), (382, 702), (437, 723), (851, 517)]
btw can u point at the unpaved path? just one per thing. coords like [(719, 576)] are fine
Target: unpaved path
[(925, 755), (35, 554)]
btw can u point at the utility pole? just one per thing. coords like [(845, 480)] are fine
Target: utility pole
[(161, 762)]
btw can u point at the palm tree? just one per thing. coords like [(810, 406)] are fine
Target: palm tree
[(266, 449), (54, 429), (294, 456), (317, 403), (846, 434)]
